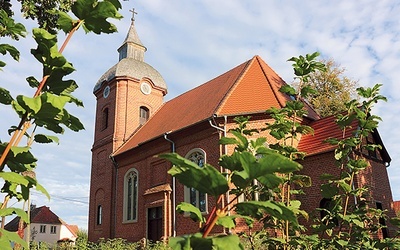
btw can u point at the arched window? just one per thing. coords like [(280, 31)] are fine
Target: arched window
[(104, 119), (193, 196), (99, 200), (99, 218), (131, 195), (144, 115)]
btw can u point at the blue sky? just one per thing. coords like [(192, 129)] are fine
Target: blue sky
[(191, 42)]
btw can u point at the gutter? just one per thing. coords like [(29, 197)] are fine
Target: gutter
[(173, 187), (223, 130), (114, 195)]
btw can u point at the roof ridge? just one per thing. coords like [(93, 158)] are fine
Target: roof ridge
[(234, 85), (262, 64)]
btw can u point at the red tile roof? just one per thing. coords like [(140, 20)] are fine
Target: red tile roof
[(251, 87), (323, 129), (326, 128), (41, 215)]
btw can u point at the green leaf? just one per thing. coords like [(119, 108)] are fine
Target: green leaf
[(65, 22), (32, 82), (226, 221), (302, 180), (22, 155), (195, 213), (228, 141), (271, 162), (12, 210), (95, 15), (7, 237), (258, 208), (41, 189), (205, 179), (30, 105), (231, 242), (270, 181), (180, 242), (40, 138), (14, 53), (14, 178), (5, 96), (231, 162), (287, 89), (242, 142), (328, 191), (9, 27)]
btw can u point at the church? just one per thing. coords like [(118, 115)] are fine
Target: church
[(131, 194)]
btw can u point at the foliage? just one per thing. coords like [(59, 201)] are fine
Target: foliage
[(348, 224), (333, 89), (114, 244), (43, 11), (47, 108)]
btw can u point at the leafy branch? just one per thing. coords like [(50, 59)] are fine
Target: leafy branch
[(46, 108)]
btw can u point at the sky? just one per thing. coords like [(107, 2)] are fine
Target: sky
[(191, 42)]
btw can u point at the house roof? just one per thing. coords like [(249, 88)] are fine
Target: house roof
[(326, 128), (41, 215), (252, 87)]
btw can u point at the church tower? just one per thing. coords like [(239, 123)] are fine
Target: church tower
[(127, 95)]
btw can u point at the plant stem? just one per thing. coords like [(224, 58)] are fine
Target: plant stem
[(17, 135)]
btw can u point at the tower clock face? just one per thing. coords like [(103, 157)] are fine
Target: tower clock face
[(106, 91), (145, 88)]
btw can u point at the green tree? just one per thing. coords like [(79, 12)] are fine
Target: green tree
[(334, 89), (46, 109), (45, 12)]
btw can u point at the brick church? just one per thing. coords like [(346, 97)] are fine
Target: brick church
[(131, 194)]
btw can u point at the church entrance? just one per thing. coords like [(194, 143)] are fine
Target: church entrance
[(154, 227)]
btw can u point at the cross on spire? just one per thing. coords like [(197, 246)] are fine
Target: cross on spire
[(133, 14)]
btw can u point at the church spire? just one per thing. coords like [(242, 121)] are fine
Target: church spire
[(132, 47)]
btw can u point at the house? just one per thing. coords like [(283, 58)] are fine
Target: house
[(131, 194), (45, 226)]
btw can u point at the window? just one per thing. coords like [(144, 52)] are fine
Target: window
[(130, 195), (53, 229), (42, 229), (193, 196), (143, 115), (104, 118), (99, 215), (382, 221), (326, 206)]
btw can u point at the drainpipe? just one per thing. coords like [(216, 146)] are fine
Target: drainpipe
[(173, 188), (223, 130), (115, 195)]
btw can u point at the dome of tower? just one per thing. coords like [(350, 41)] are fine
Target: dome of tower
[(131, 63), (129, 67)]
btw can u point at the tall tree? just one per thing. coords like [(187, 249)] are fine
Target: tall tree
[(333, 87), (45, 12)]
